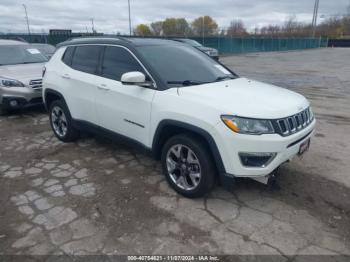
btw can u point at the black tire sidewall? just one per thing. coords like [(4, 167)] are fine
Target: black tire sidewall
[(72, 133), (207, 181)]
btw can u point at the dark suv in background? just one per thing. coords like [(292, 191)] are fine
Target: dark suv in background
[(212, 52)]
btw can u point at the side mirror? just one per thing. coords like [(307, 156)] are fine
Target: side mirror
[(135, 78)]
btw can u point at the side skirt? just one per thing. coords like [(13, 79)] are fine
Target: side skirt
[(88, 127)]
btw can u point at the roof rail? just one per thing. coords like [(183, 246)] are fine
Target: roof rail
[(87, 38)]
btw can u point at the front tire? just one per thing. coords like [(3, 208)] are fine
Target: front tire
[(61, 122), (188, 166)]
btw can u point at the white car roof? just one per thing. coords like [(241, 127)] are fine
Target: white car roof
[(11, 42)]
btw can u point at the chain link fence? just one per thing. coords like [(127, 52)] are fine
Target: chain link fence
[(232, 45), (225, 45)]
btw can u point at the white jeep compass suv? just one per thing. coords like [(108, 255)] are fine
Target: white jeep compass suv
[(203, 121)]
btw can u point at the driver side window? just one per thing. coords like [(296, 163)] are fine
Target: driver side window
[(118, 61)]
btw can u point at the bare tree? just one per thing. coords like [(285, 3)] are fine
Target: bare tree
[(236, 28), (271, 30), (291, 25), (157, 28)]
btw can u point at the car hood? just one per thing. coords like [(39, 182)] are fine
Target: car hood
[(246, 98), (22, 72)]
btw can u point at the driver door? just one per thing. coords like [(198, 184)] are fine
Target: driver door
[(123, 109)]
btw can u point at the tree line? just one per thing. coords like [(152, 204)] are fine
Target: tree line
[(334, 26), (179, 27)]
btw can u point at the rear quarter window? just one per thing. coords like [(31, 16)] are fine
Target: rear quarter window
[(86, 58), (68, 55)]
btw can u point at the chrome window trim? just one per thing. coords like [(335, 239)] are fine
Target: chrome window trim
[(116, 45)]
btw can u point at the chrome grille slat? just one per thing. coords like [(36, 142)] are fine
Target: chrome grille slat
[(294, 123), (300, 120), (307, 116), (36, 83), (291, 124)]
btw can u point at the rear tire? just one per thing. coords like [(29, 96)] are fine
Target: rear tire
[(61, 122), (188, 166)]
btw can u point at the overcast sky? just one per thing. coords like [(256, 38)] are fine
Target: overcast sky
[(111, 16)]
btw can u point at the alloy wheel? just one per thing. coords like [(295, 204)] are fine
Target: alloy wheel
[(183, 167), (59, 121)]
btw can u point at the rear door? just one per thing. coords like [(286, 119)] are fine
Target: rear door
[(80, 82), (124, 109)]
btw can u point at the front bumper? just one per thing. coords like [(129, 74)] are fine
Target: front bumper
[(230, 144), (24, 97)]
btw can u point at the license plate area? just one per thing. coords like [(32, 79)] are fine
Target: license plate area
[(304, 147)]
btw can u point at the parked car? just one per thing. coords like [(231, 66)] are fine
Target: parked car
[(46, 49), (21, 67), (212, 52), (202, 120)]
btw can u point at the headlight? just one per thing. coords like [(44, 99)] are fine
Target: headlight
[(248, 125), (207, 52), (10, 82)]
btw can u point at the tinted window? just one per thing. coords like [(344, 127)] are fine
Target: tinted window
[(68, 54), (178, 64), (86, 58), (118, 61)]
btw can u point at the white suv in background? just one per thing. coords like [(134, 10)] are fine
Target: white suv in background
[(21, 66), (203, 121)]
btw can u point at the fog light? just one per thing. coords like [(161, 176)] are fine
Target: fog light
[(256, 159), (13, 103)]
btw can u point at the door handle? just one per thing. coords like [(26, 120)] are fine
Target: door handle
[(103, 87), (66, 76)]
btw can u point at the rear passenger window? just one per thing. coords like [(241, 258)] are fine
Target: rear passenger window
[(86, 58), (68, 54), (118, 61)]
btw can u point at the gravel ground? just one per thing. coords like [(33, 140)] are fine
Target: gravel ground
[(99, 197)]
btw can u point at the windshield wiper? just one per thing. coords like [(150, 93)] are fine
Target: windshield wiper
[(186, 82), (194, 82), (221, 78), (36, 62)]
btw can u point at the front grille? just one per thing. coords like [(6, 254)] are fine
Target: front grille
[(36, 83), (293, 124)]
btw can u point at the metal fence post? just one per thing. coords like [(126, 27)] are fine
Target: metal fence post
[(219, 44), (319, 42)]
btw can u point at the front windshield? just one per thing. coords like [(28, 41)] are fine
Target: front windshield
[(45, 49), (20, 54), (180, 65)]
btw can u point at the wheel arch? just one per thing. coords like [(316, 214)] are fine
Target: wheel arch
[(51, 95), (169, 128)]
